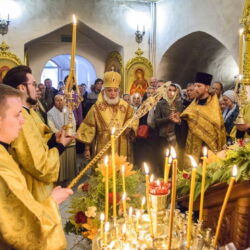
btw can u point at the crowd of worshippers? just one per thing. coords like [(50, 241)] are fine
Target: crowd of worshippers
[(35, 157), (157, 129)]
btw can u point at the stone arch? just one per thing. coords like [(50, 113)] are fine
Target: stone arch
[(90, 44), (198, 51)]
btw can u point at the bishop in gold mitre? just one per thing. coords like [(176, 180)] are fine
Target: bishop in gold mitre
[(109, 111)]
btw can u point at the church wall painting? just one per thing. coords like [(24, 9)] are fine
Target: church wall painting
[(139, 70), (114, 62)]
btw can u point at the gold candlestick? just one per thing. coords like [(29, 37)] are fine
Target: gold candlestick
[(230, 186), (114, 171), (106, 188), (204, 170), (241, 31), (173, 196), (166, 170), (191, 202), (101, 228), (124, 202), (123, 179)]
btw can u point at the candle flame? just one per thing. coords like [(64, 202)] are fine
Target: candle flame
[(241, 31), (123, 168), (194, 164), (143, 201), (240, 77), (151, 179), (173, 153), (113, 131), (111, 245), (64, 110), (124, 228), (106, 226), (235, 171), (158, 182), (74, 18), (124, 196), (205, 151), (170, 160), (146, 168), (138, 214), (130, 211), (167, 152), (106, 160), (102, 217)]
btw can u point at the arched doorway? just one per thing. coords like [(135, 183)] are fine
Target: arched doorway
[(197, 51), (58, 67)]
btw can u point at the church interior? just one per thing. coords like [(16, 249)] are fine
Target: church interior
[(128, 160)]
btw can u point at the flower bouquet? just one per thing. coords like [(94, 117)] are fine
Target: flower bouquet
[(88, 203)]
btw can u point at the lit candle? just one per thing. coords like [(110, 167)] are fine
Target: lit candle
[(106, 233), (241, 52), (124, 230), (123, 179), (143, 201), (138, 214), (124, 202), (147, 184), (101, 230), (73, 48), (203, 181), (106, 188), (130, 214), (173, 196), (230, 186), (166, 170), (191, 202), (114, 171)]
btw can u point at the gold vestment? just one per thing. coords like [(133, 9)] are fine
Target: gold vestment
[(205, 127), (25, 223), (39, 164), (99, 121)]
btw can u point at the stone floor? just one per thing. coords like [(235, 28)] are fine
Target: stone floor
[(74, 242)]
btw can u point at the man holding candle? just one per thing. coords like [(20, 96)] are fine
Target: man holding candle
[(108, 112), (25, 222), (203, 119), (36, 149)]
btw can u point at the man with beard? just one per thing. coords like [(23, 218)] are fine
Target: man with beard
[(36, 150), (109, 111), (204, 120)]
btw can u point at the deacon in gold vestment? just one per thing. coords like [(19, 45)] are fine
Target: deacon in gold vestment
[(35, 151), (25, 222), (204, 120), (109, 111)]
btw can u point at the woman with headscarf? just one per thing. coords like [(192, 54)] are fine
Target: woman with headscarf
[(230, 113)]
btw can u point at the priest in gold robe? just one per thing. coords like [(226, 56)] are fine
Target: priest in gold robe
[(204, 121), (25, 223), (35, 149), (110, 111)]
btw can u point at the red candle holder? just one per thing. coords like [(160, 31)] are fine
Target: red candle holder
[(159, 188)]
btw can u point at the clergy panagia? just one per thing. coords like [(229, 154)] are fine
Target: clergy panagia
[(25, 223), (109, 111)]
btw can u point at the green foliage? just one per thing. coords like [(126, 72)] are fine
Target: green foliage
[(218, 172)]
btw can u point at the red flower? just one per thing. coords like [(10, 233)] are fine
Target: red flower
[(111, 198), (80, 218), (85, 187), (186, 176), (241, 142)]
